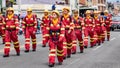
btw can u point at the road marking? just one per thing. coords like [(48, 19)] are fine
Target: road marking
[(98, 47), (112, 39), (22, 46)]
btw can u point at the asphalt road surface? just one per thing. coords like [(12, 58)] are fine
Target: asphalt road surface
[(105, 56)]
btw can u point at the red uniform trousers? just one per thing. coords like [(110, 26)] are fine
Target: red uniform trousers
[(30, 33), (64, 47), (98, 34), (2, 33), (55, 47), (70, 38), (45, 36), (78, 34), (108, 32), (88, 32), (103, 33), (11, 35)]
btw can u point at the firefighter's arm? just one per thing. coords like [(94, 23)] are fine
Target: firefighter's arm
[(62, 33), (93, 25), (23, 24), (35, 23), (17, 25), (3, 26), (83, 25)]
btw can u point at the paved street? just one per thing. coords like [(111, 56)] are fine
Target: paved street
[(105, 56)]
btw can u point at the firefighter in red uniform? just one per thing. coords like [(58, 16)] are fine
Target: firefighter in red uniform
[(69, 30), (78, 31), (89, 29), (44, 24), (97, 28), (11, 31), (107, 23), (30, 26), (56, 32), (2, 30)]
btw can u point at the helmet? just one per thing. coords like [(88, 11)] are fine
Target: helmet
[(29, 9), (55, 11), (66, 8), (46, 11), (75, 11), (106, 11), (96, 12), (88, 12), (10, 9)]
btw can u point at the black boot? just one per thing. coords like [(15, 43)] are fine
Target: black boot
[(68, 56), (85, 46), (34, 50), (64, 57), (81, 52), (18, 54), (5, 55), (51, 64), (60, 63), (74, 53), (43, 45), (26, 51)]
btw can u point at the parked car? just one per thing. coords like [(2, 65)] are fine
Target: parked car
[(115, 24)]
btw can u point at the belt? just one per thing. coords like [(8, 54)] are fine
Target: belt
[(10, 30), (29, 25), (67, 28)]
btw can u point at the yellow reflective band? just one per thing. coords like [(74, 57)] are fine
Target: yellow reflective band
[(23, 22), (27, 39), (62, 28), (85, 39), (35, 26), (74, 45), (23, 26), (46, 35), (69, 44), (7, 46), (65, 43), (16, 22), (33, 42), (33, 39), (60, 51), (12, 26), (16, 46), (59, 54), (52, 55), (27, 42), (7, 43), (64, 47), (15, 42), (53, 50), (62, 35), (74, 41), (69, 47), (48, 28), (17, 27)]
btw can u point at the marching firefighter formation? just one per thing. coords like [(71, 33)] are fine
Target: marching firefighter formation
[(63, 32)]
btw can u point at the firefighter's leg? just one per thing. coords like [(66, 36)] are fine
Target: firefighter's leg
[(7, 43), (27, 41), (44, 35), (14, 38), (91, 38), (80, 39), (52, 53), (34, 45), (108, 34), (86, 38), (64, 48), (60, 53), (95, 37)]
